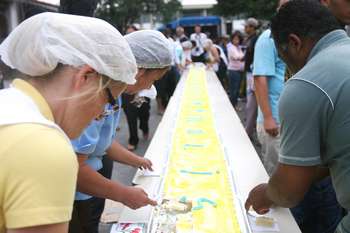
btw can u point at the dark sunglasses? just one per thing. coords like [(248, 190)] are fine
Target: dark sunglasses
[(112, 102)]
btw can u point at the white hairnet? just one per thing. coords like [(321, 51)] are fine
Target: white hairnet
[(39, 43), (150, 48)]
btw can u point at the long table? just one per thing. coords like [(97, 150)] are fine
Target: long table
[(242, 160)]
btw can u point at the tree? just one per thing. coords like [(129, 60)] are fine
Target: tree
[(262, 9), (121, 13)]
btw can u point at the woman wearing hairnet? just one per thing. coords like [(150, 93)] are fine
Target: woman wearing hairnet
[(153, 58), (70, 68)]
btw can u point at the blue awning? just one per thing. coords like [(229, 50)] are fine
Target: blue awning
[(193, 21)]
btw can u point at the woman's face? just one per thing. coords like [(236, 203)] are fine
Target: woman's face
[(144, 79), (235, 40), (92, 105)]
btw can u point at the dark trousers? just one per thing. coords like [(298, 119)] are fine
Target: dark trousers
[(234, 84), (86, 214), (166, 86), (80, 222), (251, 114), (98, 204), (133, 114), (222, 75), (319, 212)]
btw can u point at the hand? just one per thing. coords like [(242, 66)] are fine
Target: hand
[(258, 199), (271, 127), (145, 164), (135, 198)]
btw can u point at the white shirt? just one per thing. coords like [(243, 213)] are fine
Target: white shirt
[(199, 38)]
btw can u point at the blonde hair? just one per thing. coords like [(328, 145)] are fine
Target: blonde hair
[(104, 82)]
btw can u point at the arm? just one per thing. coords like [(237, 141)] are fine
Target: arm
[(276, 192), (262, 96), (215, 54), (120, 154), (92, 183), (303, 112), (54, 228)]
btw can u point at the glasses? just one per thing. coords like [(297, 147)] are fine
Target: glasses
[(112, 102)]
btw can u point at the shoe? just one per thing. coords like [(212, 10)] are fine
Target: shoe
[(131, 147)]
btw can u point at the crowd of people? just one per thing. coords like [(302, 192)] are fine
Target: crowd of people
[(60, 117)]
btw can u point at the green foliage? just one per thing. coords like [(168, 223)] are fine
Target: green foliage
[(121, 13), (169, 10), (261, 9)]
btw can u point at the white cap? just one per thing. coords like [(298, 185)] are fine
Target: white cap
[(39, 43), (150, 48)]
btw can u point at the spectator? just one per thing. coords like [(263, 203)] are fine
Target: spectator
[(166, 86), (180, 34), (130, 29), (315, 129), (222, 66), (225, 40), (235, 66), (212, 57), (268, 71), (340, 9), (187, 47), (198, 50), (250, 28)]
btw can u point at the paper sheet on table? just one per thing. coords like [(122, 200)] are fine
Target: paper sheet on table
[(140, 215), (111, 212), (128, 228), (148, 173)]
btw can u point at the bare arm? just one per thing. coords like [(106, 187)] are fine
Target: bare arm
[(286, 188), (93, 183), (118, 153), (52, 228), (215, 54), (299, 180), (262, 96)]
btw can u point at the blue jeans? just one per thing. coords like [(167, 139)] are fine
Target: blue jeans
[(320, 211), (234, 83)]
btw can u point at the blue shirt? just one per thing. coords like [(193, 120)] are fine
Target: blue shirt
[(267, 63), (95, 140)]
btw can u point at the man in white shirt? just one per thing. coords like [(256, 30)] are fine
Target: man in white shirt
[(199, 37)]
